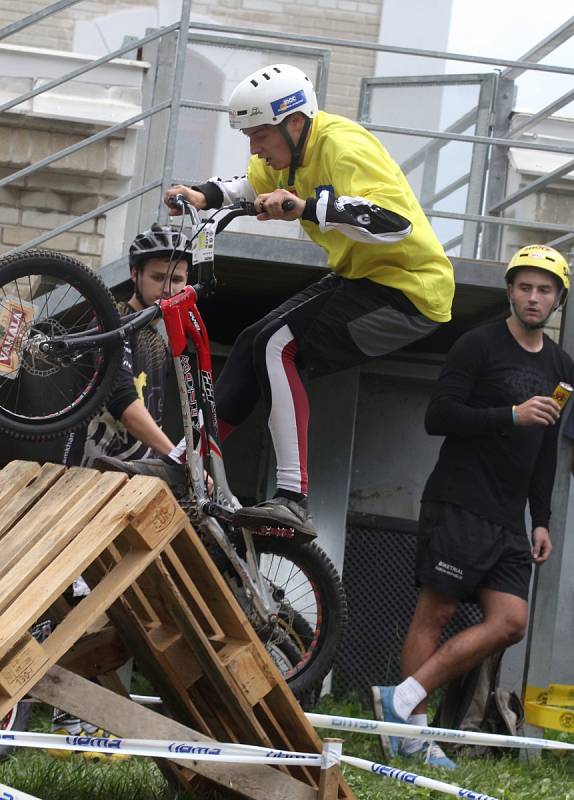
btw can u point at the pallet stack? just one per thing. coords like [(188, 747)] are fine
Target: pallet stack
[(150, 575)]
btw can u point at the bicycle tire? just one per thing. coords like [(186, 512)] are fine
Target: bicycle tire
[(17, 719), (319, 607), (44, 293)]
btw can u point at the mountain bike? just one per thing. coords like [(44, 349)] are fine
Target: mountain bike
[(61, 343)]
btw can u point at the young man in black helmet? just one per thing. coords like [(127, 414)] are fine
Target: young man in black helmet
[(129, 428), (391, 282), (493, 403)]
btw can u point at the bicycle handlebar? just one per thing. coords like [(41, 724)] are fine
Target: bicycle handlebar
[(139, 319), (245, 206)]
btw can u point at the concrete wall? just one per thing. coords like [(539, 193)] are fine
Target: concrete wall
[(392, 456), (41, 201)]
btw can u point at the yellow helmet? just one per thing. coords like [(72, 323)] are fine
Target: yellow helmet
[(540, 256)]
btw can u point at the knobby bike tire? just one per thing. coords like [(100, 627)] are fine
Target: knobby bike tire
[(44, 293), (315, 635)]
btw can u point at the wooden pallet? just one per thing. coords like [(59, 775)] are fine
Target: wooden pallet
[(150, 574)]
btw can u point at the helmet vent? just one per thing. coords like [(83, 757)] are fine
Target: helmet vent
[(254, 82), (266, 76)]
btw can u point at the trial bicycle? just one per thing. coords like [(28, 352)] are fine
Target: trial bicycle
[(61, 343)]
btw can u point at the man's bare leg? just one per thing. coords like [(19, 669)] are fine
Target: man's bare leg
[(505, 620)]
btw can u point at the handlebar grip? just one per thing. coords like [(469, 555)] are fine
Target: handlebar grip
[(251, 211), (177, 201)]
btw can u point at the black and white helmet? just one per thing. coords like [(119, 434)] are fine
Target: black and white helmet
[(160, 241)]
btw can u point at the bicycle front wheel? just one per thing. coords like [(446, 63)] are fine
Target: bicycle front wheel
[(312, 611), (44, 294)]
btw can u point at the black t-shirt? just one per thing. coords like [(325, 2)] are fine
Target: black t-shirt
[(143, 374), (486, 464)]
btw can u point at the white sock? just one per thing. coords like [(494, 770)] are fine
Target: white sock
[(410, 746), (407, 696)]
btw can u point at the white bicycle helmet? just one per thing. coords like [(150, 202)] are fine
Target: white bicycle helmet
[(269, 95)]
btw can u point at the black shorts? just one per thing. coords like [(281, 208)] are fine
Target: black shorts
[(340, 323), (459, 553)]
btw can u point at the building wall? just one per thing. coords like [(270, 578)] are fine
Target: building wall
[(342, 19), (345, 19), (57, 30), (68, 188)]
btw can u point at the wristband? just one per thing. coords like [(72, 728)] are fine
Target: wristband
[(514, 420)]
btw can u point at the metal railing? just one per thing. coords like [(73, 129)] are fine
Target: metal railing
[(484, 204)]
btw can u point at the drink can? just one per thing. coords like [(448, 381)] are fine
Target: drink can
[(562, 394)]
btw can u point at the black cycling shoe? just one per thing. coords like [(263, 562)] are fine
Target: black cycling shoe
[(167, 469), (278, 513)]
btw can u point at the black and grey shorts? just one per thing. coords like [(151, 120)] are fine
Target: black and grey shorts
[(340, 323), (459, 553)]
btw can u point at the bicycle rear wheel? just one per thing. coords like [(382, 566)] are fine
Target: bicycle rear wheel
[(45, 294)]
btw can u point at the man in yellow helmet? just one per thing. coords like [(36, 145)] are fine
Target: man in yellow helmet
[(493, 403)]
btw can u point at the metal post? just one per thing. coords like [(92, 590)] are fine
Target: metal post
[(479, 161), (172, 128), (498, 168), (430, 171)]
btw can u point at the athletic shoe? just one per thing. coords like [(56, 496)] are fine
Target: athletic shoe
[(165, 468), (279, 513), (432, 754), (384, 711)]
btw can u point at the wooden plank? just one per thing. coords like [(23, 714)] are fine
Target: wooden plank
[(64, 496), (149, 521), (103, 708), (21, 665), (249, 673), (211, 584), (14, 476), (87, 545), (32, 558), (95, 653), (226, 690), (84, 614), (184, 667), (330, 772), (193, 597), (27, 495), (139, 599), (154, 666)]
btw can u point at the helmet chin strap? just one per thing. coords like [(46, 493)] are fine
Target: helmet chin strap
[(137, 292), (296, 149)]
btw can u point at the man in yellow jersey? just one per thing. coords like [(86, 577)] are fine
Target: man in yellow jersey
[(391, 282)]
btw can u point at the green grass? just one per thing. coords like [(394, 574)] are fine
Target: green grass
[(506, 778)]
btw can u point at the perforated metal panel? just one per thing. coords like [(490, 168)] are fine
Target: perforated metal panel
[(378, 575)]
